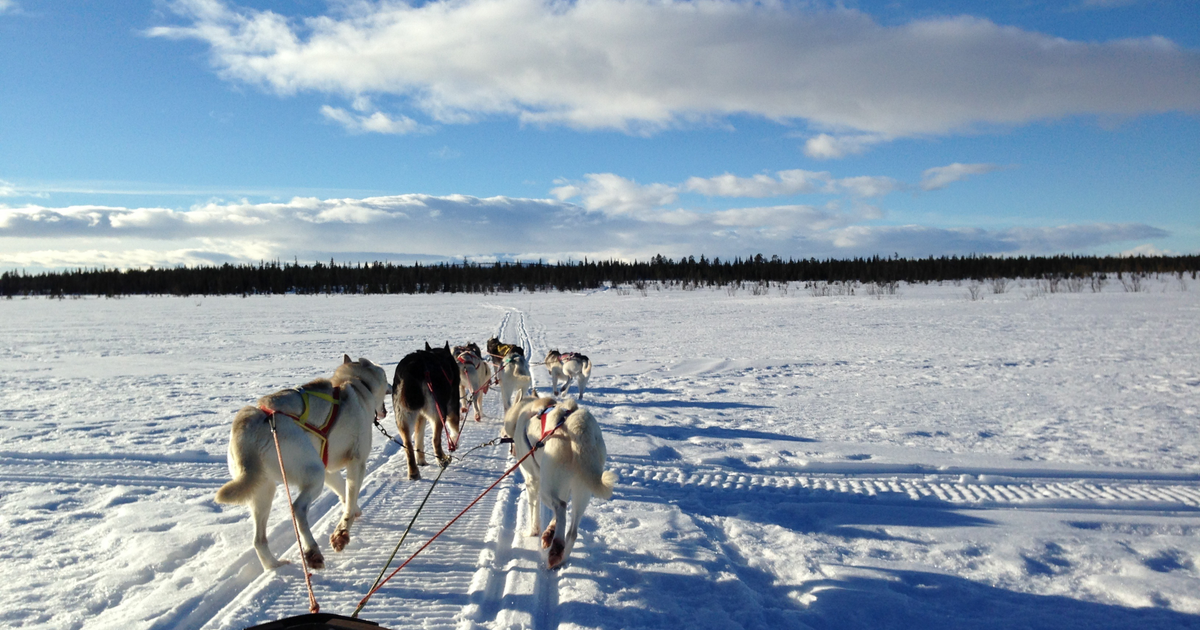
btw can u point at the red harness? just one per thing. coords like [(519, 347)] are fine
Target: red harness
[(322, 432)]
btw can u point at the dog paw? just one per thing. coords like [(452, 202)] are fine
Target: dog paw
[(274, 564), (444, 461), (557, 555), (314, 559), (548, 535), (339, 539), (414, 474)]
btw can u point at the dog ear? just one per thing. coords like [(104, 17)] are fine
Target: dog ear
[(447, 345), (427, 346), (345, 359)]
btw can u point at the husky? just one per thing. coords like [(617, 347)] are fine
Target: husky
[(323, 427), (569, 467), (475, 376), (513, 369), (571, 365), (425, 387)]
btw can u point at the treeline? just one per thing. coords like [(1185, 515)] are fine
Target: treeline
[(504, 277)]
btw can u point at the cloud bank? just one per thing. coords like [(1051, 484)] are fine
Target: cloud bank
[(634, 225), (645, 65)]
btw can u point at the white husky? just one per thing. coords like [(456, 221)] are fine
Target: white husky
[(515, 378), (569, 467), (323, 427), (475, 374), (571, 365)]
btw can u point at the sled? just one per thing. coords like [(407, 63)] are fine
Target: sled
[(319, 621)]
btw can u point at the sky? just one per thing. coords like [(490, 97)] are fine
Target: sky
[(194, 132)]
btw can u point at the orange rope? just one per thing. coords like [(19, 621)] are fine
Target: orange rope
[(313, 607)]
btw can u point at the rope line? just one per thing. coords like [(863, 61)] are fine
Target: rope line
[(379, 584), (313, 607)]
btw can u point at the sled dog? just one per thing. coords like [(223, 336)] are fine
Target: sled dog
[(425, 387), (475, 375), (513, 368), (323, 427), (567, 366), (569, 467)]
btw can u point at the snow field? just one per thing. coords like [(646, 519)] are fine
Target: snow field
[(785, 461)]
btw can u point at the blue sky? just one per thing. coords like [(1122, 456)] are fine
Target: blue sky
[(202, 131)]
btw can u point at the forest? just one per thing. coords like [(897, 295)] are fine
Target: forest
[(506, 277)]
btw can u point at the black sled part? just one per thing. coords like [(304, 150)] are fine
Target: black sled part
[(318, 621)]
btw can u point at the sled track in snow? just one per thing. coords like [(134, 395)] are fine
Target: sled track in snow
[(713, 483), (455, 578)]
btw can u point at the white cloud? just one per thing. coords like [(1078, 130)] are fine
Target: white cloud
[(866, 186), (641, 65), (9, 6), (375, 122), (790, 182), (825, 147), (614, 194), (941, 176)]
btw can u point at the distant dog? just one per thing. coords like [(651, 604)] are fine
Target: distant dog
[(569, 467), (323, 427), (571, 365), (513, 368), (425, 387), (475, 375)]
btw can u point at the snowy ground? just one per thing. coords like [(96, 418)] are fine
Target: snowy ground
[(786, 461)]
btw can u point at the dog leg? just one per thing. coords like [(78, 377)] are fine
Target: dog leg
[(579, 503), (535, 508), (420, 439), (442, 457), (260, 509), (354, 477), (406, 437), (310, 488), (552, 538)]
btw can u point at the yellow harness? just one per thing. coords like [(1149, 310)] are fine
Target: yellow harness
[(322, 432)]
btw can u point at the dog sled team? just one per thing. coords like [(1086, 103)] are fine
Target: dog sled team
[(309, 434)]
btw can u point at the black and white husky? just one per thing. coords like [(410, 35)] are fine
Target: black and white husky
[(425, 387), (475, 374), (570, 467), (510, 363), (323, 427), (571, 365)]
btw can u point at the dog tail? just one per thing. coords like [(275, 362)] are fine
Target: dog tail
[(587, 367), (245, 458), (604, 489)]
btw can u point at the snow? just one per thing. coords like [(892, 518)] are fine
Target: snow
[(921, 460)]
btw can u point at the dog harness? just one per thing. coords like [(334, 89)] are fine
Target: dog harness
[(322, 432), (545, 434)]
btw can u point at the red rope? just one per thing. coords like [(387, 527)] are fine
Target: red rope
[(507, 473), (313, 607)]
